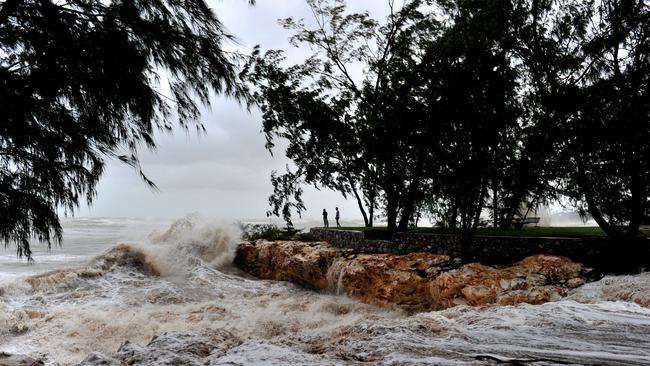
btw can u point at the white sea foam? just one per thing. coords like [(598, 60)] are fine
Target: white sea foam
[(616, 288), (179, 281)]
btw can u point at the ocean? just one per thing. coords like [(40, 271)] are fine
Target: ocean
[(119, 283)]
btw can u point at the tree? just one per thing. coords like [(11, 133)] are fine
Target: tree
[(589, 64), (86, 80), (345, 132), (472, 91)]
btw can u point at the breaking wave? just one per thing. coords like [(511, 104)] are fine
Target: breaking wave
[(175, 299), (616, 288)]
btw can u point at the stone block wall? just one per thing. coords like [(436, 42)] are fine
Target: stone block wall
[(592, 251), (432, 243), (506, 249), (342, 239)]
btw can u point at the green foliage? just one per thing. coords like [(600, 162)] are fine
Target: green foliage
[(341, 130), (589, 63), (253, 232), (286, 197), (467, 105), (82, 81), (473, 97)]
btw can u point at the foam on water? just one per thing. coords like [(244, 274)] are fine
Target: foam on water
[(180, 281), (616, 288)]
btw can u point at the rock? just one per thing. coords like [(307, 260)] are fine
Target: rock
[(554, 268), (7, 359), (388, 279), (534, 280), (415, 281), (475, 283), (575, 282), (305, 264), (512, 297), (480, 294)]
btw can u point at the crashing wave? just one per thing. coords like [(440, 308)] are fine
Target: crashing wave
[(176, 251), (169, 299), (633, 288)]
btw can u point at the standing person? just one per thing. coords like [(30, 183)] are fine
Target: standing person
[(337, 217), (325, 222)]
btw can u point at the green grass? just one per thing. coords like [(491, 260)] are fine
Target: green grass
[(581, 231), (358, 228)]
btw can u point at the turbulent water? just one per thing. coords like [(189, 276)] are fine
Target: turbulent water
[(179, 284)]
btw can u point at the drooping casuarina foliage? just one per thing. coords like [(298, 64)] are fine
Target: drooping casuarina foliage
[(457, 108), (86, 80), (589, 65), (340, 124), (432, 113), (473, 87)]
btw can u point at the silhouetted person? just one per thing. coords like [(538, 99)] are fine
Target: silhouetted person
[(337, 217), (325, 222)]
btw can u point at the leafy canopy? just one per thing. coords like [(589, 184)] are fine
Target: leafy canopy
[(86, 80)]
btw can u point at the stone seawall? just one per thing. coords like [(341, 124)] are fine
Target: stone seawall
[(593, 251)]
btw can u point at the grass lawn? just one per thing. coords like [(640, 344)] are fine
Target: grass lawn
[(580, 231)]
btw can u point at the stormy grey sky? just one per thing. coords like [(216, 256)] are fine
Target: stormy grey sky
[(224, 174)]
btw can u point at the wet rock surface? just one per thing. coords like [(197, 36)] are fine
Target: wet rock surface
[(305, 264), (534, 280), (415, 281), (387, 279)]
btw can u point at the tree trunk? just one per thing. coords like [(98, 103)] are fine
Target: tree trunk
[(495, 204), (404, 220), (478, 205), (471, 219), (370, 197), (409, 206), (592, 208), (360, 203), (391, 211), (454, 214)]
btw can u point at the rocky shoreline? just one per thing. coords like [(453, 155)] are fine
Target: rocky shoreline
[(178, 299), (414, 282)]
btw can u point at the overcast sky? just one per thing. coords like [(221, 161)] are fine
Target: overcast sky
[(224, 174)]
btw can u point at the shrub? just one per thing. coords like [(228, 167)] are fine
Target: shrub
[(252, 232)]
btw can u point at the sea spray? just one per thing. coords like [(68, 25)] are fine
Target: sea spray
[(169, 283), (634, 288), (190, 239), (172, 296)]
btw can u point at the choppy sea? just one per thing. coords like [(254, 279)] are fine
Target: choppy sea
[(178, 278)]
